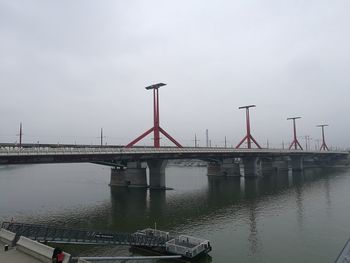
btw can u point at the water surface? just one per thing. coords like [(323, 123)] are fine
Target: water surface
[(278, 218)]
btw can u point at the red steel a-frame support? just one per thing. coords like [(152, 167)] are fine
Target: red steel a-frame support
[(295, 141), (324, 145), (156, 129), (248, 137)]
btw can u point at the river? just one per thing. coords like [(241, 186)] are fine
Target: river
[(277, 218)]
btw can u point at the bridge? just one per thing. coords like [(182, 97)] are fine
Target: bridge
[(129, 164)]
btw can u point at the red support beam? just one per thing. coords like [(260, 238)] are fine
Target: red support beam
[(139, 138), (324, 146), (295, 141), (170, 138), (156, 128), (248, 136), (156, 118)]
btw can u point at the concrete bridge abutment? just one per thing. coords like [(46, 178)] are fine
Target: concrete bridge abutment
[(157, 174), (133, 175)]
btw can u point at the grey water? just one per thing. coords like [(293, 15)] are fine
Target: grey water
[(300, 217)]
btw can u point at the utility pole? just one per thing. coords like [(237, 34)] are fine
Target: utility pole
[(195, 141), (20, 135), (295, 141), (207, 137), (307, 141), (324, 145), (101, 137), (248, 136), (225, 142), (317, 144)]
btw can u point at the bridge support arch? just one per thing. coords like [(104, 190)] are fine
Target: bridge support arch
[(133, 175)]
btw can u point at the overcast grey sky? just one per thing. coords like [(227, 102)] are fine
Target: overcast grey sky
[(68, 68)]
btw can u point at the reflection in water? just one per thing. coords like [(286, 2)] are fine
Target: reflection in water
[(290, 177), (133, 208), (128, 207), (237, 214), (300, 208), (327, 192), (253, 236), (157, 204)]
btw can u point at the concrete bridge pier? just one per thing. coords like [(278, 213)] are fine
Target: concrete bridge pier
[(296, 163), (214, 169), (133, 175), (230, 167), (157, 174), (267, 166), (281, 165), (225, 167), (252, 166)]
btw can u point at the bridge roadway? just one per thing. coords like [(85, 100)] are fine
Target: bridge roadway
[(95, 154), (221, 161)]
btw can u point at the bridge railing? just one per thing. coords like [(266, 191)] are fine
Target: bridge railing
[(47, 151)]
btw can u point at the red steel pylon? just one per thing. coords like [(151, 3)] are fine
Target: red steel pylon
[(324, 145), (295, 141), (156, 128), (248, 137)]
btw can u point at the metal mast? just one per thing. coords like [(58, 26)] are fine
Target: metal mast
[(248, 136), (295, 141), (156, 128), (324, 145)]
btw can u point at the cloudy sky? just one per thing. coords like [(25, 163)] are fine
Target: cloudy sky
[(68, 68)]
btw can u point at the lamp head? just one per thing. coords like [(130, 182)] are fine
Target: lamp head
[(246, 107), (156, 86)]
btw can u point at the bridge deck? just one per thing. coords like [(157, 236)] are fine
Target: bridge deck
[(79, 236), (39, 154), (141, 150)]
